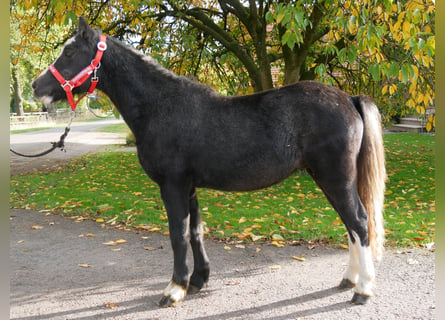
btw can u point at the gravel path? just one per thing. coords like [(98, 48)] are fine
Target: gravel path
[(61, 269)]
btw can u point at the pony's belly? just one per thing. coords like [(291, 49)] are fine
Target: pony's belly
[(243, 181)]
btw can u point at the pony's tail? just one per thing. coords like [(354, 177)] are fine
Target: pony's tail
[(372, 173)]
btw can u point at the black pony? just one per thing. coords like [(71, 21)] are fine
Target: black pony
[(189, 136)]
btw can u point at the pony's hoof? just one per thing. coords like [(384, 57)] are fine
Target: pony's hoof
[(193, 289), (359, 299), (346, 284), (166, 302), (173, 294)]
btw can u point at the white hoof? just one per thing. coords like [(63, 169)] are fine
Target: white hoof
[(173, 294)]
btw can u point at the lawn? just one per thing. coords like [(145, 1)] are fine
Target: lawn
[(112, 189)]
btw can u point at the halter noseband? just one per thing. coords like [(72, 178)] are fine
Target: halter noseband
[(83, 75)]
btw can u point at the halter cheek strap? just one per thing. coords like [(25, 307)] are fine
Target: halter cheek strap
[(82, 76)]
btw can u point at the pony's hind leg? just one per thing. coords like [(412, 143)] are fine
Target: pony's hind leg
[(340, 189), (350, 277), (201, 268)]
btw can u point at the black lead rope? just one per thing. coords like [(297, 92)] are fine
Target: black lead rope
[(59, 144)]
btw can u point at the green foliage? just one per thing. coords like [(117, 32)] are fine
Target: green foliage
[(112, 186), (385, 49), (130, 140)]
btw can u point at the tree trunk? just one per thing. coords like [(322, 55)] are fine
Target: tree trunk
[(18, 101), (263, 64), (294, 60)]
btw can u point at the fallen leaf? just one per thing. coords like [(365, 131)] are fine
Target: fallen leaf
[(227, 248), (257, 250), (274, 267), (150, 248), (110, 243), (343, 246), (242, 219), (255, 237), (90, 235), (20, 241), (84, 265), (100, 220), (240, 246), (120, 241), (36, 227), (278, 244), (430, 246), (298, 258), (277, 237), (110, 305)]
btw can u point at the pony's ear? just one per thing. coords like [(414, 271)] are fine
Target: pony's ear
[(84, 29)]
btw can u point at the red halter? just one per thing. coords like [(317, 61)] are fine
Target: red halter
[(83, 75)]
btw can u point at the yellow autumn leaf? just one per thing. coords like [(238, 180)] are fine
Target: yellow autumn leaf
[(90, 235), (110, 243), (274, 267), (300, 195), (278, 244), (298, 258), (100, 220), (343, 246), (242, 219), (84, 265), (392, 89), (255, 237), (120, 241), (429, 126), (406, 27), (36, 227), (227, 248)]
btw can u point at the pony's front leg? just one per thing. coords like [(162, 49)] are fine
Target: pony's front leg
[(201, 268), (175, 199)]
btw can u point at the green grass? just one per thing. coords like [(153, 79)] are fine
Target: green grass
[(113, 187), (116, 128), (17, 131)]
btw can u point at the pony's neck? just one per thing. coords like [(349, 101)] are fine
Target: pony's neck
[(136, 84)]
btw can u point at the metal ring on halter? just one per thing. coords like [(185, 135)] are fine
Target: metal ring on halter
[(67, 83), (102, 46), (96, 67)]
